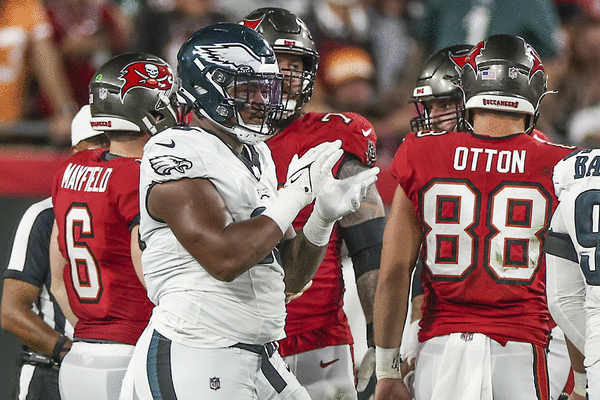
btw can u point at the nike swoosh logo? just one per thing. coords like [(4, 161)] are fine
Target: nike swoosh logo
[(327, 364), (169, 145), (367, 132)]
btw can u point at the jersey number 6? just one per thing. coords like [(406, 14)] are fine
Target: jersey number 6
[(85, 274)]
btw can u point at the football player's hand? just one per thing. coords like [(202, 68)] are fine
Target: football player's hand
[(391, 389), (308, 173), (305, 177), (337, 198), (407, 369), (575, 396), (366, 372)]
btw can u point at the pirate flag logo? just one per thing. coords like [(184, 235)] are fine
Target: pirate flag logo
[(146, 75)]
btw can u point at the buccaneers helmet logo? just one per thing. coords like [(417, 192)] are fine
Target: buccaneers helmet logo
[(536, 60), (469, 58), (252, 23), (146, 74)]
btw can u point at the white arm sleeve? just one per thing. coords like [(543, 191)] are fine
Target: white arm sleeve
[(565, 288)]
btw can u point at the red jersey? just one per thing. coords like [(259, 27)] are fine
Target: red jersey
[(95, 199), (317, 319), (485, 204)]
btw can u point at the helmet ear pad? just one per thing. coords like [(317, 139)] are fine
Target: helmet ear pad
[(204, 96)]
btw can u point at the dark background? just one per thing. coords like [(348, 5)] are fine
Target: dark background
[(11, 210)]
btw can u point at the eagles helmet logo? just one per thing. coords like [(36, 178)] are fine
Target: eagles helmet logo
[(233, 55), (164, 165), (147, 75)]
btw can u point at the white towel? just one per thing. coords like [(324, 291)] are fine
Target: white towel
[(465, 371)]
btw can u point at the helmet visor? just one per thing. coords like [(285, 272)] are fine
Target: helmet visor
[(257, 99)]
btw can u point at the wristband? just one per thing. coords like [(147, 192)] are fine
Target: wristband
[(58, 348), (387, 363), (580, 383), (286, 207), (317, 230)]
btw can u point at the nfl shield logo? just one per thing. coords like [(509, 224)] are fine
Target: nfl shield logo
[(103, 93), (513, 73), (215, 383), (467, 337)]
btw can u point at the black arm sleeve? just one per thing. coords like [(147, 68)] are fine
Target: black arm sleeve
[(364, 243), (560, 245)]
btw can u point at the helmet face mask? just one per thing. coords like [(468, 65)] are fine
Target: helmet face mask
[(229, 74), (437, 95), (131, 92), (291, 39), (439, 114), (256, 101)]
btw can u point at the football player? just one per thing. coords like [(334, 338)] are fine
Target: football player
[(318, 343), (211, 220), (437, 97), (573, 283), (28, 310), (96, 202), (439, 103), (473, 205)]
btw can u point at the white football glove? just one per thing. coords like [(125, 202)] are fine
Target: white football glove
[(366, 370), (410, 341), (335, 199), (310, 171), (306, 175), (340, 197)]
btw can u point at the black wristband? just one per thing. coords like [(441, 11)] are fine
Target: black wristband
[(58, 348), (370, 335)]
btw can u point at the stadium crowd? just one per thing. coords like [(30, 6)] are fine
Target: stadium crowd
[(372, 49)]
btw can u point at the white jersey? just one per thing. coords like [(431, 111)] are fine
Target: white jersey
[(577, 186), (212, 313)]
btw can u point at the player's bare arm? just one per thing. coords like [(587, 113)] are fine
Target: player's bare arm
[(18, 318), (57, 286), (136, 253), (300, 259), (198, 216), (577, 358), (401, 243), (371, 209)]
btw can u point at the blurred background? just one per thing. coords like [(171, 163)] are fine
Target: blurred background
[(371, 52)]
